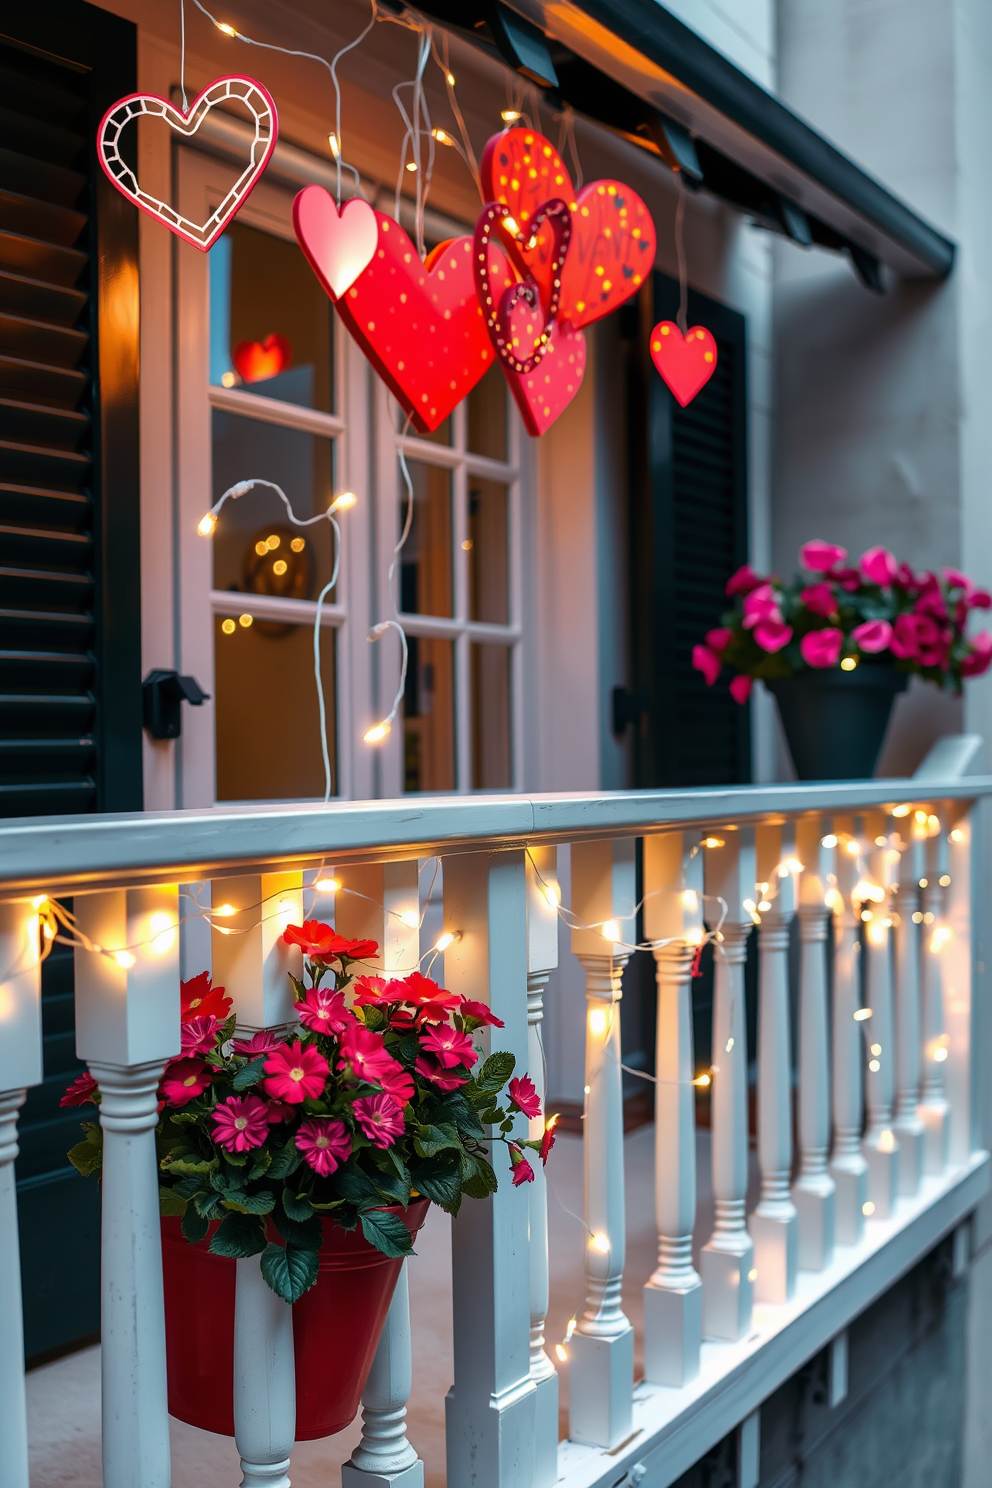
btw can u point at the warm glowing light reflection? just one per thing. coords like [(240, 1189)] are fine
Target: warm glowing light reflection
[(868, 1208), (124, 959), (611, 931), (862, 1014), (163, 928), (601, 1243), (410, 918), (598, 1020), (328, 885)]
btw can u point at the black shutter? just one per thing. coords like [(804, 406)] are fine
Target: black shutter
[(689, 533), (70, 696)]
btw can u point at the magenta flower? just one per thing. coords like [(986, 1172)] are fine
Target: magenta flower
[(444, 1079), (522, 1170), (449, 1046), (523, 1094), (819, 599), (821, 648), (772, 635), (706, 661), (294, 1072), (821, 557), (325, 1144), (719, 639), (240, 1123), (979, 658), (872, 636), (760, 604), (980, 599), (323, 1011), (363, 1053), (380, 1118), (957, 580), (744, 580), (83, 1089), (261, 1042), (480, 1013), (184, 1080), (740, 687), (879, 566), (398, 1083), (199, 1035)]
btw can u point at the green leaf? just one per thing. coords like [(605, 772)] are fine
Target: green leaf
[(351, 1183), (308, 1234), (402, 1171), (497, 1070), (297, 1206), (249, 1203), (238, 1235), (375, 1018), (261, 1162), (184, 1167), (387, 1233), (194, 1225), (187, 1187), (477, 1177), (285, 1161), (208, 1204), (409, 1048), (86, 1158), (439, 1178), (289, 1271), (459, 1110), (170, 1202), (249, 1074), (433, 1139)]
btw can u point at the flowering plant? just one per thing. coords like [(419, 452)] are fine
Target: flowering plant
[(373, 1100), (836, 615)]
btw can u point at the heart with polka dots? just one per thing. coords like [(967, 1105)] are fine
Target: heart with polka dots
[(686, 363)]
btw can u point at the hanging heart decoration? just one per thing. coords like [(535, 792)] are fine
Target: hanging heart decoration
[(337, 244), (519, 324), (242, 90), (546, 391), (254, 361), (521, 170), (686, 363)]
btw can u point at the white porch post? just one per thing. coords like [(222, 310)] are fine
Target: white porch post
[(774, 1222), (253, 965), (601, 1374), (727, 1258), (906, 936), (20, 1066), (880, 1144), (934, 1109), (958, 952), (542, 958), (388, 914), (489, 1410), (813, 1193), (127, 1027), (673, 1297), (847, 1164)]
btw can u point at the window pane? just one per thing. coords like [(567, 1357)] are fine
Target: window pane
[(268, 724), (491, 755), (487, 416), (302, 464), (425, 567), (429, 716), (271, 324), (441, 435), (488, 542)]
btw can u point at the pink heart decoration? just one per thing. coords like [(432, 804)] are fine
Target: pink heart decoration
[(546, 391), (244, 90), (338, 245), (686, 363)]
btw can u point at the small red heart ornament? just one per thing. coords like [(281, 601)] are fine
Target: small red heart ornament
[(546, 391), (421, 326), (338, 245), (235, 89), (256, 360), (686, 363)]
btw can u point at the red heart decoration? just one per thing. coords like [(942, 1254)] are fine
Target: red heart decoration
[(686, 363), (257, 360), (522, 170), (338, 245), (546, 391), (421, 326), (611, 253), (514, 318)]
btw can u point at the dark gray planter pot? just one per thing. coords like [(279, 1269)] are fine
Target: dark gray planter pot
[(835, 721)]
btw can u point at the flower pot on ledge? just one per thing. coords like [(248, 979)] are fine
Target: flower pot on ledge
[(336, 1327), (835, 721)]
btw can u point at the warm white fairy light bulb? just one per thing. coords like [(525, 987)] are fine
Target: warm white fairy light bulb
[(445, 939), (327, 885), (335, 145), (207, 525), (377, 733), (611, 931), (410, 918)]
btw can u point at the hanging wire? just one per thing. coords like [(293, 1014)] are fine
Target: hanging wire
[(681, 318), (182, 54)]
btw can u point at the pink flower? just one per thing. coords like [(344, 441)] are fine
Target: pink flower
[(743, 580), (906, 578), (931, 601), (260, 1043), (980, 599), (325, 1144), (398, 1083), (279, 1111), (772, 635), (522, 1170), (872, 636), (323, 1011), (706, 661), (903, 642), (449, 1047), (81, 1091), (957, 580), (184, 1080), (849, 579), (819, 599), (294, 1072), (821, 557), (363, 1053), (380, 1118), (760, 604), (240, 1123), (879, 566), (524, 1096), (199, 1035), (740, 687), (821, 648), (480, 1013), (979, 658), (719, 639), (444, 1079)]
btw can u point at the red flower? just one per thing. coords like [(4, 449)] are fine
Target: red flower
[(295, 1072), (740, 687), (743, 581), (184, 1080), (819, 599), (480, 1013), (398, 1083), (199, 999), (325, 1144), (449, 1047), (522, 1170), (240, 1123), (260, 1043), (376, 989), (443, 1078), (323, 1011), (279, 1111), (363, 1053), (199, 1035), (706, 661), (548, 1140), (320, 943), (81, 1092), (380, 1118), (523, 1094)]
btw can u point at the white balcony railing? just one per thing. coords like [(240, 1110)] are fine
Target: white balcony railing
[(865, 1142)]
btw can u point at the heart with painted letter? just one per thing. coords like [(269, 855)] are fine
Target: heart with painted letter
[(686, 363), (338, 244), (241, 90)]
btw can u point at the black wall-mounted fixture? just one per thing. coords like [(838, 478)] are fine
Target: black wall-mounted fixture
[(162, 693), (522, 45)]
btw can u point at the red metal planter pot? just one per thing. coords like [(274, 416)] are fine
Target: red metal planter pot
[(336, 1327)]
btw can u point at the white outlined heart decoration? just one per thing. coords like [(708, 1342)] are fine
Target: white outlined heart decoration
[(244, 90)]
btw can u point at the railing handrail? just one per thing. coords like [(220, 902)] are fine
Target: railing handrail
[(58, 854)]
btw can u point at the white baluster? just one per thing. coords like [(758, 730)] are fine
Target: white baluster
[(388, 914), (906, 937), (20, 1066), (727, 1259), (489, 1410), (250, 958), (774, 1222), (542, 958), (934, 1109), (673, 1297), (264, 1379), (813, 1192), (880, 1144), (127, 1027), (847, 1164), (964, 1136), (601, 1372)]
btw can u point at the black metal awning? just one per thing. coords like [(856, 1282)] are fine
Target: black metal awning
[(635, 68)]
